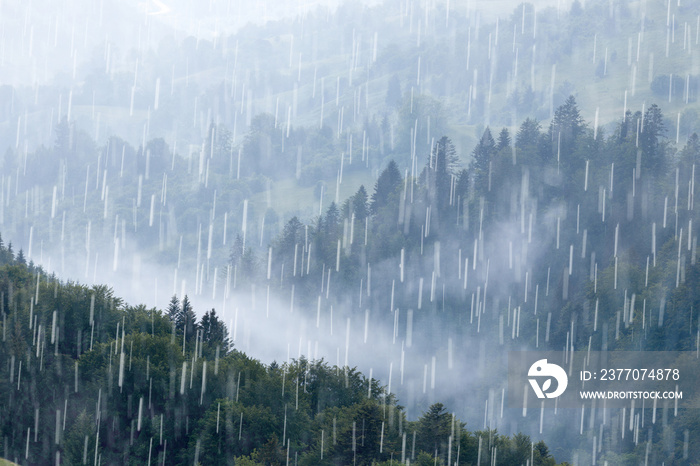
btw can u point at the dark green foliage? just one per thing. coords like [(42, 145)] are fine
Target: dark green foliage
[(652, 140), (482, 162), (434, 429), (528, 140), (675, 88), (504, 141), (443, 164), (135, 393), (214, 331), (173, 309), (564, 130), (186, 320), (386, 188), (360, 205)]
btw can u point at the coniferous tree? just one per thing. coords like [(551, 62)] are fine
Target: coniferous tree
[(330, 223), (386, 187), (689, 156), (503, 168), (292, 238), (568, 121), (503, 140), (173, 310), (652, 140), (327, 235), (291, 235), (445, 164), (566, 127), (187, 319), (462, 189), (528, 143), (214, 330), (434, 429), (359, 204), (482, 159)]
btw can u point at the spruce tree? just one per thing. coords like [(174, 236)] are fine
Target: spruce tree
[(359, 204), (482, 159), (386, 186), (173, 308), (503, 140), (187, 319)]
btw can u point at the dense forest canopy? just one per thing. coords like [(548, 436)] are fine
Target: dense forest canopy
[(130, 385)]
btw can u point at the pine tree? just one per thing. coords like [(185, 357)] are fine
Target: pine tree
[(187, 320), (291, 234), (445, 164), (205, 326), (214, 330), (434, 428), (330, 222), (386, 187), (503, 140), (651, 140), (565, 128), (327, 232), (689, 159), (482, 159), (173, 308), (462, 189), (5, 253), (359, 204), (528, 141), (690, 155), (503, 167)]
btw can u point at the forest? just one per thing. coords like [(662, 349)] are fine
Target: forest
[(90, 379)]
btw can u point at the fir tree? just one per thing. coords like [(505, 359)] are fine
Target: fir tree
[(564, 130), (187, 319), (359, 204), (652, 139), (503, 140), (174, 308), (528, 142), (482, 160), (214, 330), (445, 164), (386, 186)]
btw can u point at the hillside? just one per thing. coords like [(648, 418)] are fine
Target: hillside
[(89, 378)]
